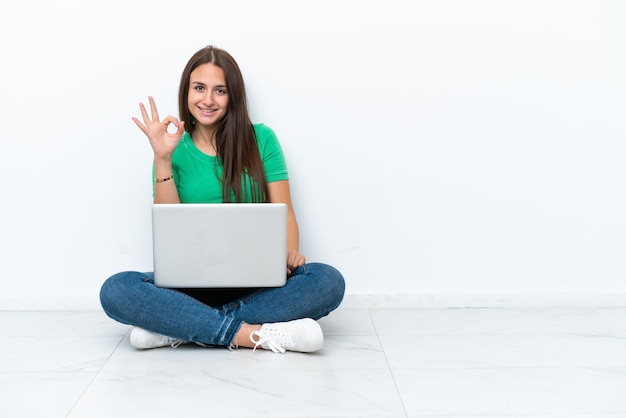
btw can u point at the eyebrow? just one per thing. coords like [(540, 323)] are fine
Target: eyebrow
[(200, 83)]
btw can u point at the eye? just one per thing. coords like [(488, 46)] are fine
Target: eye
[(221, 91), (198, 88)]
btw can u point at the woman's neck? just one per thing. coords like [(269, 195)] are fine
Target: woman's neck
[(204, 140)]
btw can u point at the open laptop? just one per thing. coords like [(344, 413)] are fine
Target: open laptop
[(219, 245)]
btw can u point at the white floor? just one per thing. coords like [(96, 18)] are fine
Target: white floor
[(376, 363)]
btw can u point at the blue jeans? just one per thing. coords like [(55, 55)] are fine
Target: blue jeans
[(312, 291)]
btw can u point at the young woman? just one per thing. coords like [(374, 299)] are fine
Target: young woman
[(216, 155)]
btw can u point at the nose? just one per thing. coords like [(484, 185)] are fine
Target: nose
[(208, 97)]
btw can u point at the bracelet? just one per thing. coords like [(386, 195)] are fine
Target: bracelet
[(165, 179)]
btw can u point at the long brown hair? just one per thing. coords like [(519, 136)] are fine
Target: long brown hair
[(235, 139)]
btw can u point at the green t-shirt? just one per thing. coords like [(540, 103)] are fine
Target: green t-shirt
[(196, 173)]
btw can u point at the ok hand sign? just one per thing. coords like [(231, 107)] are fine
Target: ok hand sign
[(163, 143)]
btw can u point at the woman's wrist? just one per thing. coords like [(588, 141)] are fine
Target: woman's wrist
[(163, 170), (162, 166), (163, 179)]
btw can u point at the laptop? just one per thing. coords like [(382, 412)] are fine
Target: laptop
[(219, 245)]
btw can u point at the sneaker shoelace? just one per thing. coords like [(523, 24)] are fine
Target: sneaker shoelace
[(173, 342), (276, 340)]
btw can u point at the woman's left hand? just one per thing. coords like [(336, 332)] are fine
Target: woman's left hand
[(294, 260)]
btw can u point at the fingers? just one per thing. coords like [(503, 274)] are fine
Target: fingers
[(181, 129), (153, 118), (153, 112), (295, 260), (153, 109), (146, 121), (171, 119), (140, 125), (144, 114)]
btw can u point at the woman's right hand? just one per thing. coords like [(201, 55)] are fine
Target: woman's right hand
[(163, 143)]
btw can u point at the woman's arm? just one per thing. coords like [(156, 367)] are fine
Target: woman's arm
[(163, 144), (164, 187), (279, 193)]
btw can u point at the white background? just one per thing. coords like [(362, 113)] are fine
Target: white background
[(440, 152)]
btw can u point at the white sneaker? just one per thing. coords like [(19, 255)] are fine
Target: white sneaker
[(304, 335), (142, 339)]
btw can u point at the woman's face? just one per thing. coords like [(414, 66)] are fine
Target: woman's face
[(207, 98)]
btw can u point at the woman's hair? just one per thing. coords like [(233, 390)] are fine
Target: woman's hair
[(235, 138)]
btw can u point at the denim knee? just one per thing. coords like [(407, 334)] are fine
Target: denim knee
[(332, 284), (115, 292)]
